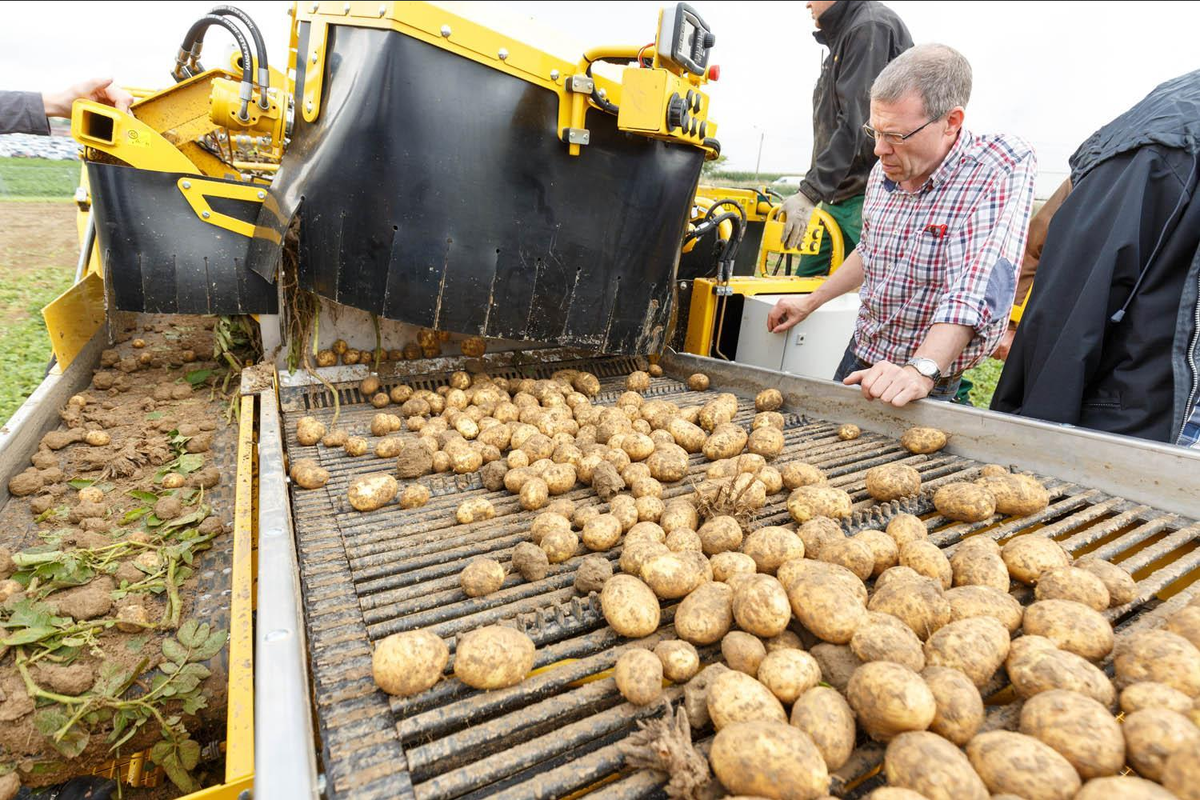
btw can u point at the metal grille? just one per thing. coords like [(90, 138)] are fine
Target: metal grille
[(369, 575)]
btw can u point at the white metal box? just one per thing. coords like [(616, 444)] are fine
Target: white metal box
[(813, 348)]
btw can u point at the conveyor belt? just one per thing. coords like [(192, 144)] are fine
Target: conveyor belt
[(369, 575)]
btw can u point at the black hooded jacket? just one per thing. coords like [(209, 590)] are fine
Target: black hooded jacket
[(1110, 339), (862, 37)]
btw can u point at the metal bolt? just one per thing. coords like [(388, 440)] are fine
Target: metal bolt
[(346, 8), (382, 10), (187, 184), (554, 74), (244, 794), (503, 54), (603, 94), (308, 106), (314, 57), (205, 214), (446, 31), (313, 8), (262, 195)]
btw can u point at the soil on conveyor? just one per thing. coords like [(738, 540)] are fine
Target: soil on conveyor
[(115, 544)]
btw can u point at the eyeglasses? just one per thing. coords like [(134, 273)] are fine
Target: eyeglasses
[(895, 138)]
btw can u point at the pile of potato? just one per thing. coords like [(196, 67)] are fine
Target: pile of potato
[(428, 344), (825, 640)]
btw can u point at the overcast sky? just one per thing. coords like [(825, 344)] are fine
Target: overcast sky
[(1051, 72)]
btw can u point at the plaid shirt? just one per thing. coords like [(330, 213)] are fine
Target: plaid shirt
[(949, 252)]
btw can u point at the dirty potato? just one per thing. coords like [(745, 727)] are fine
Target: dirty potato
[(964, 502), (770, 547), (670, 575), (1016, 495), (884, 552), (959, 705), (767, 442), (977, 647), (985, 601), (698, 382), (482, 576), (918, 602), (761, 607), (851, 554), (890, 699), (736, 697), (1121, 587), (892, 482), (1161, 656), (559, 545), (848, 432), (923, 440), (1035, 665), (308, 474), (1071, 626), (932, 767), (726, 441), (1078, 728), (630, 607), (370, 492), (826, 602), (1028, 556), (705, 615), (639, 675), (905, 528), (818, 501), (1014, 763), (882, 637), (797, 473), (789, 673), (530, 561), (404, 664), (477, 509), (1073, 583), (680, 660), (493, 657), (309, 431), (768, 760), (743, 652), (926, 558)]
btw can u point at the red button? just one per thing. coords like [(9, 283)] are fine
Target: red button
[(714, 72)]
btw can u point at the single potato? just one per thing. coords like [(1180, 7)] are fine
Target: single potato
[(404, 664), (493, 657)]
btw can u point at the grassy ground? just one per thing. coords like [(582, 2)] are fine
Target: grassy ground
[(37, 177), (38, 250), (984, 377)]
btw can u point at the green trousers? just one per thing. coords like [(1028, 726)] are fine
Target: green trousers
[(848, 215)]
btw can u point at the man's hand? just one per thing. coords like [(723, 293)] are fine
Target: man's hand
[(102, 90), (1006, 342), (797, 210), (891, 383), (789, 312)]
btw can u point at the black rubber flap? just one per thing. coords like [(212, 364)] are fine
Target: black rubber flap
[(435, 191), (159, 257)]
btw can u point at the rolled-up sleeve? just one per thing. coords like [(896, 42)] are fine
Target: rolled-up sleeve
[(23, 112), (980, 292)]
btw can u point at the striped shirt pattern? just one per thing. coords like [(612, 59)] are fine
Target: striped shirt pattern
[(949, 252)]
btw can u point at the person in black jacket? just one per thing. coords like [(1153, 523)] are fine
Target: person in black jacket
[(28, 112), (862, 37), (1110, 338)]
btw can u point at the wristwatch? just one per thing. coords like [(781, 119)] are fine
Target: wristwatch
[(926, 367)]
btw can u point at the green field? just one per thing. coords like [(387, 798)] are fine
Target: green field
[(984, 377), (22, 178)]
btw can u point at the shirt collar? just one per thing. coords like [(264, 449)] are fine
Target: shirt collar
[(828, 26), (944, 170)]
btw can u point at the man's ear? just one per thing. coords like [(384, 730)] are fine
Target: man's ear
[(954, 120)]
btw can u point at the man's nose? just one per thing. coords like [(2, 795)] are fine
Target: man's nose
[(882, 148)]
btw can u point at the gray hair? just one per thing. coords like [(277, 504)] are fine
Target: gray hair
[(939, 74)]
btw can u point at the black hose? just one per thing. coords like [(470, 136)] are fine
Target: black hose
[(727, 202), (604, 103), (260, 50), (195, 39)]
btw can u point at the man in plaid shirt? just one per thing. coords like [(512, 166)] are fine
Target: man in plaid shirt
[(944, 227)]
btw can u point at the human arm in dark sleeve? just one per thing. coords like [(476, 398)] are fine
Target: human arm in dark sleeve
[(867, 53), (23, 112)]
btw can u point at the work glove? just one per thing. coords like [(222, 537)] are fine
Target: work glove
[(797, 210)]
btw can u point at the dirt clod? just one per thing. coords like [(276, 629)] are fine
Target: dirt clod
[(85, 602)]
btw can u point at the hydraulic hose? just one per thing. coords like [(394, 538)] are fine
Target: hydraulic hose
[(193, 42), (260, 50)]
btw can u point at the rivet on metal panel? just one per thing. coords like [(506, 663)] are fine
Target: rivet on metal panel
[(309, 105), (554, 74), (503, 54), (382, 10), (245, 794), (314, 56), (346, 8), (313, 8), (446, 31), (187, 184), (262, 195), (205, 214)]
